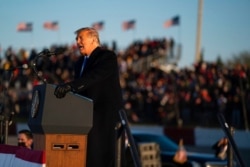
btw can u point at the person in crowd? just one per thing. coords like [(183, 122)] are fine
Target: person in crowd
[(25, 138), (180, 158), (221, 148), (97, 77)]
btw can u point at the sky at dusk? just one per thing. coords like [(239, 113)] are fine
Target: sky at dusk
[(225, 24)]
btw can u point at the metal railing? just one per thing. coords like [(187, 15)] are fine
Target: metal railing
[(123, 129), (227, 130)]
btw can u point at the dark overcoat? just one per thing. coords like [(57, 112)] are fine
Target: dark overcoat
[(100, 82)]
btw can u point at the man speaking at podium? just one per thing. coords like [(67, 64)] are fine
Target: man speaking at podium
[(97, 78)]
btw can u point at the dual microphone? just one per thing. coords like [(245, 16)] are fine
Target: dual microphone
[(47, 52)]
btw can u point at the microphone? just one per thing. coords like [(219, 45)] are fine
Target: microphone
[(47, 53)]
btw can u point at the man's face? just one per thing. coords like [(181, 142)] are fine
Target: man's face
[(84, 42), (24, 141)]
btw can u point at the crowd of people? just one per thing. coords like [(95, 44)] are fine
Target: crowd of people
[(188, 96)]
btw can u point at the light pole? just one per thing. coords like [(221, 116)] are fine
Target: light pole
[(198, 32)]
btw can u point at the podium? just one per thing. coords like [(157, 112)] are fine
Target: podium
[(60, 126)]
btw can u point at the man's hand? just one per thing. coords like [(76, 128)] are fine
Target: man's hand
[(61, 90)]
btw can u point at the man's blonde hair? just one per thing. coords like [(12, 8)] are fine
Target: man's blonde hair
[(91, 33)]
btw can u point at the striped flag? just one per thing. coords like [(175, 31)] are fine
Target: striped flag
[(126, 25), (24, 27), (51, 25), (98, 25), (174, 21), (20, 156)]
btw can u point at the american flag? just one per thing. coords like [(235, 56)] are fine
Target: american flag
[(22, 27), (126, 25), (174, 21), (98, 25), (51, 25)]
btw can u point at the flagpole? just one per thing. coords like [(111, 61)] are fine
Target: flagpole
[(32, 41), (57, 28), (1, 51), (102, 34), (59, 36), (178, 56), (134, 34), (179, 33)]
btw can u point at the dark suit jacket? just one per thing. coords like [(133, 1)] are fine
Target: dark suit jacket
[(100, 82)]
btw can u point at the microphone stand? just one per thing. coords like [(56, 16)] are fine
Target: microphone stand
[(5, 114)]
